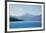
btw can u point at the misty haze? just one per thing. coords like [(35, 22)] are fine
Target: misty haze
[(23, 16)]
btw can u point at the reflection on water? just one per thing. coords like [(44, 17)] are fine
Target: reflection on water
[(25, 24)]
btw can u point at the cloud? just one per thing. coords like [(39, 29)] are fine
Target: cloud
[(19, 10)]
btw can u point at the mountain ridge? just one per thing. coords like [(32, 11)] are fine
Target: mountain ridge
[(28, 17)]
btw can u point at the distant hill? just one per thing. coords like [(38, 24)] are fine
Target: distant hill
[(28, 17), (14, 19)]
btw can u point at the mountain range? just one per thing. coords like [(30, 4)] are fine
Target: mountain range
[(28, 17)]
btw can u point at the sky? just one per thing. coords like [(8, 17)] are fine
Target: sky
[(20, 9)]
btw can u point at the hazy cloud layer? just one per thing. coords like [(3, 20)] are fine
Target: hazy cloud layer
[(19, 10)]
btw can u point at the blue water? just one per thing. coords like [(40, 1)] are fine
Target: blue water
[(25, 24)]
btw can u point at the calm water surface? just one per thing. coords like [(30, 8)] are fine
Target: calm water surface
[(25, 24)]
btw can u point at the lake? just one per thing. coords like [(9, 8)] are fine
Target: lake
[(25, 24)]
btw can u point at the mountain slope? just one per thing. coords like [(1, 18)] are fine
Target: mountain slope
[(28, 17), (14, 19)]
